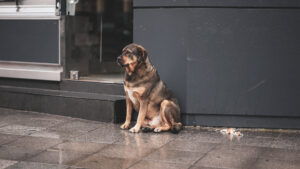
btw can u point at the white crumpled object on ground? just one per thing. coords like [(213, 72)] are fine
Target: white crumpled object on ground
[(231, 131)]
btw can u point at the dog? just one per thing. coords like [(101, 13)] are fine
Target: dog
[(147, 94)]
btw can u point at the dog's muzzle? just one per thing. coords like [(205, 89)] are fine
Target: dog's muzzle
[(120, 62)]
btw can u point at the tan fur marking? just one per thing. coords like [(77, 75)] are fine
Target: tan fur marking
[(162, 111), (128, 109), (127, 50), (138, 90), (166, 127), (132, 66), (128, 112), (124, 59), (142, 114)]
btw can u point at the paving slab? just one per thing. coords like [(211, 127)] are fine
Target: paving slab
[(2, 123), (148, 140), (100, 161), (158, 165), (17, 153), (174, 156), (67, 130), (57, 157), (226, 161), (236, 149), (80, 147), (43, 121), (194, 135), (57, 134), (201, 167), (6, 163), (10, 115), (8, 138), (230, 156), (126, 151), (275, 164), (288, 141), (190, 146), (15, 129), (35, 142), (261, 133), (107, 133), (28, 118), (280, 154), (33, 165), (79, 125), (256, 141)]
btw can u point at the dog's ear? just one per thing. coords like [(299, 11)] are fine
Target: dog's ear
[(142, 52)]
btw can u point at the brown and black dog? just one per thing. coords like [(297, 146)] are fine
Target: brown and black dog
[(147, 94)]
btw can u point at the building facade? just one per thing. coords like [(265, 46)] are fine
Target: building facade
[(232, 63)]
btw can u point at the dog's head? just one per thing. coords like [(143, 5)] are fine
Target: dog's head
[(132, 56)]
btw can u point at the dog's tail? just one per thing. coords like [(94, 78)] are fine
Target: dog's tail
[(176, 128)]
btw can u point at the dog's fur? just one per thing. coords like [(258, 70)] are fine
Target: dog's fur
[(147, 94)]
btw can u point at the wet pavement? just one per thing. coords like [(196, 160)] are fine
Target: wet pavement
[(40, 141)]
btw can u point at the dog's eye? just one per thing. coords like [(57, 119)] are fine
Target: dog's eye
[(130, 56), (127, 65)]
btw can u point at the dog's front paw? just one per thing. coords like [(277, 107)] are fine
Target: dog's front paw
[(135, 129), (125, 126), (157, 129)]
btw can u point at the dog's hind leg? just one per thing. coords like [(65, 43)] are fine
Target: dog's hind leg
[(165, 127), (169, 113)]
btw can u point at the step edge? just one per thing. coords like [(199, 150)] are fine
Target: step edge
[(60, 93)]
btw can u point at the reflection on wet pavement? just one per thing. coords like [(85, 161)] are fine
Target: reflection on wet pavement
[(40, 141)]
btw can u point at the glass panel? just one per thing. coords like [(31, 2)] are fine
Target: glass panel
[(95, 36)]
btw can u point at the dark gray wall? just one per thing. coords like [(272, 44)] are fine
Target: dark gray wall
[(229, 63), (29, 41)]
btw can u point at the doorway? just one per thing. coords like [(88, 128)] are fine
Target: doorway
[(95, 37)]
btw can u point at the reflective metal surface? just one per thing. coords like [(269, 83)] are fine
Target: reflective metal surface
[(30, 71), (32, 9)]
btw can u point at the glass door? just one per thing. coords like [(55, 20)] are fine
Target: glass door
[(95, 37)]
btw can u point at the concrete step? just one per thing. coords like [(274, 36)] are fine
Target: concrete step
[(92, 101), (92, 87), (67, 85)]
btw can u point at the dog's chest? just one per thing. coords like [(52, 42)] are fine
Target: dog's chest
[(130, 95), (134, 92)]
